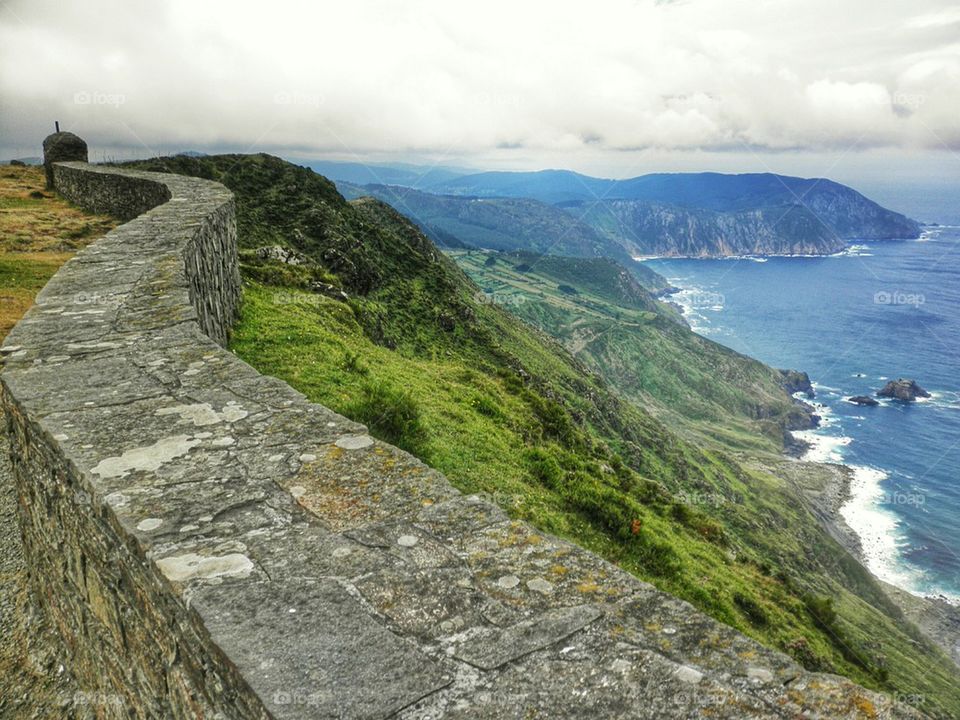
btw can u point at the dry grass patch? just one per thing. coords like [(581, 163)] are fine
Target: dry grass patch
[(39, 231)]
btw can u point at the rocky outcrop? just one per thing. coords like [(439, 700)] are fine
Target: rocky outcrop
[(211, 544), (903, 389), (862, 400), (277, 253), (796, 381)]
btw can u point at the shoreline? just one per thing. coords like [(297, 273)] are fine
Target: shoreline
[(857, 487), (936, 616), (852, 516), (853, 249)]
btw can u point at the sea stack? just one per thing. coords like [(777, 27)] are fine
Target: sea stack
[(903, 389)]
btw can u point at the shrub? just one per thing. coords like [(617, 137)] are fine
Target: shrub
[(543, 466), (391, 414), (801, 651), (656, 557), (751, 609), (352, 363), (822, 611)]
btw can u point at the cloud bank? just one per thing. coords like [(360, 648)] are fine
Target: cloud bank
[(541, 79)]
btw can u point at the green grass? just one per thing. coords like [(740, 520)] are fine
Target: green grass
[(640, 346)]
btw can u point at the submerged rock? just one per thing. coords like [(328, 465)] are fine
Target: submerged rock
[(862, 400), (903, 389)]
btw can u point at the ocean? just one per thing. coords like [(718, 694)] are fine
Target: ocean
[(879, 311)]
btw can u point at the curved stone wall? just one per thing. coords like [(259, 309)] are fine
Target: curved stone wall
[(211, 545)]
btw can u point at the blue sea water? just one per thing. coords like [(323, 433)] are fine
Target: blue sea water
[(879, 311)]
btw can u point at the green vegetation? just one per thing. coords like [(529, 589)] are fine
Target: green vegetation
[(424, 356), (505, 224), (642, 347)]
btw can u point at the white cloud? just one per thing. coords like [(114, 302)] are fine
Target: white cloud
[(435, 77)]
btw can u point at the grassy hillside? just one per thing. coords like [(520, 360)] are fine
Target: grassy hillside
[(641, 347), (419, 353)]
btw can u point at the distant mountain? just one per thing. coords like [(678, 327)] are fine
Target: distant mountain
[(704, 214), (549, 186), (408, 175), (504, 224)]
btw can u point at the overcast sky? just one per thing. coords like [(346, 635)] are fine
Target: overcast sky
[(852, 89)]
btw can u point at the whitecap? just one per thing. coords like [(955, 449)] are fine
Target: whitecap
[(823, 448), (877, 528)]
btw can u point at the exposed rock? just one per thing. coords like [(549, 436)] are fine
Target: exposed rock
[(862, 400), (795, 381), (903, 389), (331, 291), (281, 254)]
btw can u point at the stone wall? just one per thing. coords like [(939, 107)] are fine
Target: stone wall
[(211, 545)]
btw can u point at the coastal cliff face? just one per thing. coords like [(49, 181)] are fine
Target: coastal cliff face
[(667, 230), (694, 215), (822, 224)]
